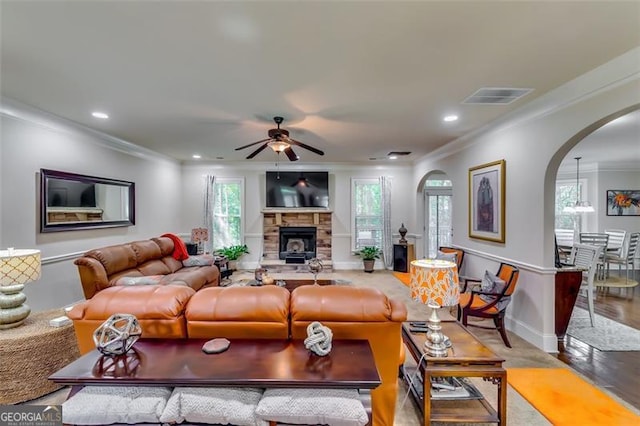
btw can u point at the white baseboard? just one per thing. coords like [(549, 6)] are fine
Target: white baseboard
[(546, 342)]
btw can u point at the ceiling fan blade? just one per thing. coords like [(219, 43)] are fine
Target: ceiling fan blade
[(251, 144), (305, 146), (257, 151), (292, 155)]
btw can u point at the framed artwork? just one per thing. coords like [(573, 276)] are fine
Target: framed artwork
[(623, 202), (486, 201)]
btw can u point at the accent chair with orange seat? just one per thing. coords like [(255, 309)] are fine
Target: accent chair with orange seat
[(458, 252), (489, 302)]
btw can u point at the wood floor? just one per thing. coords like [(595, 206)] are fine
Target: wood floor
[(619, 372)]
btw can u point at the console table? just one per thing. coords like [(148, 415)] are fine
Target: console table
[(467, 357), (268, 363), (223, 266)]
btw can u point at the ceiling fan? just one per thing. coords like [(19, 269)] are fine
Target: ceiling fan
[(279, 141)]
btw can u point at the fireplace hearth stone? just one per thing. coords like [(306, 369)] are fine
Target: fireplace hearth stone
[(279, 266), (298, 258)]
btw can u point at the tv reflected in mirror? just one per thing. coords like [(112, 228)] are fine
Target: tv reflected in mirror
[(70, 201)]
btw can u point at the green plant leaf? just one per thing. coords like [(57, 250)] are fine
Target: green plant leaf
[(233, 252), (369, 253)]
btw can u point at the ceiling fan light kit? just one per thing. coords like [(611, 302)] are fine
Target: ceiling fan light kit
[(279, 141)]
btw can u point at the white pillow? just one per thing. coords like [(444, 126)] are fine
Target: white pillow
[(213, 405), (146, 280), (335, 407), (491, 283), (199, 260), (98, 405)]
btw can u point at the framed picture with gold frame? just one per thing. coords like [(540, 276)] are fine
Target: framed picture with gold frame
[(487, 201)]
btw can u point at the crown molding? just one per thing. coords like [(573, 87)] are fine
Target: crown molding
[(619, 71), (12, 108)]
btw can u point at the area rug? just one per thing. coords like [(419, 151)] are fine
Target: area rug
[(404, 277), (566, 399), (607, 335)]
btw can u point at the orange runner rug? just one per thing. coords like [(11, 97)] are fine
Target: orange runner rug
[(566, 399), (404, 277)]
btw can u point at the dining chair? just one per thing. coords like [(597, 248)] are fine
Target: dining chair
[(585, 256), (564, 241), (601, 240), (617, 239), (626, 256), (615, 247)]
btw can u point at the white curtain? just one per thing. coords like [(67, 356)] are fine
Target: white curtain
[(387, 239), (208, 204)]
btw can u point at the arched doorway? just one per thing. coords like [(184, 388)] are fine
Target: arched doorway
[(610, 159)]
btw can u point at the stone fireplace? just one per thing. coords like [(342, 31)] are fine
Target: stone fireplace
[(295, 232)]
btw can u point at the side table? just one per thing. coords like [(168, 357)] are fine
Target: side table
[(30, 353), (467, 357), (223, 266)]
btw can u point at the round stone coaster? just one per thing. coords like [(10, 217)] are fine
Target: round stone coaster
[(215, 346)]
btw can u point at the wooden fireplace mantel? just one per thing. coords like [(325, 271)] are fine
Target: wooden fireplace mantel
[(296, 210)]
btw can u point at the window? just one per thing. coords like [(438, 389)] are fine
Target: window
[(227, 212), (566, 195), (438, 208), (366, 213)]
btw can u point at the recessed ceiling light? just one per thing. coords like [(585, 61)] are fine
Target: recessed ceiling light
[(393, 157), (450, 118), (98, 114), (197, 156)]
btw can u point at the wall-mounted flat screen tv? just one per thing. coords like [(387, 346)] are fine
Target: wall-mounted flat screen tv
[(297, 189)]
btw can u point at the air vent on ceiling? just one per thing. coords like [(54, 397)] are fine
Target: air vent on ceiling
[(399, 153), (496, 95)]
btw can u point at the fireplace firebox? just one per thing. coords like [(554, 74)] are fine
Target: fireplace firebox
[(297, 243)]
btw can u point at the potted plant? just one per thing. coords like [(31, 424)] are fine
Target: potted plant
[(369, 255), (233, 253)]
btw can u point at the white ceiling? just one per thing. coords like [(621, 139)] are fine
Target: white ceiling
[(616, 144), (355, 79)]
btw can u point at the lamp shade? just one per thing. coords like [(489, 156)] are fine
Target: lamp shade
[(199, 234), (19, 266), (434, 281)]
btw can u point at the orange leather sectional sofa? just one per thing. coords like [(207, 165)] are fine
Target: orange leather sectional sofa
[(261, 313), (102, 268)]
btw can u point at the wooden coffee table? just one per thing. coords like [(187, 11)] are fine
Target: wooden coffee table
[(467, 357), (292, 284), (247, 363)]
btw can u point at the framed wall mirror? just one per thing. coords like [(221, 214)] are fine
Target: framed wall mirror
[(70, 201)]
